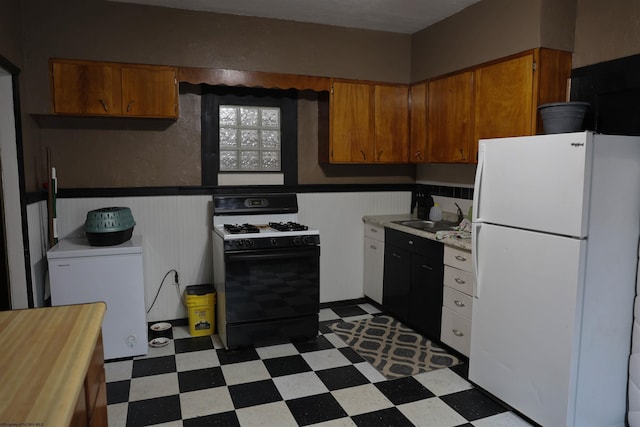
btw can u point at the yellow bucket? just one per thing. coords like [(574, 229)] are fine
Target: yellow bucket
[(201, 301)]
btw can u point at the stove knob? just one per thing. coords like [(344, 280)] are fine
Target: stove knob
[(297, 241), (240, 242), (308, 240), (248, 243), (273, 242)]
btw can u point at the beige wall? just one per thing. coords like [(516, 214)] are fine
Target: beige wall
[(11, 47), (113, 31), (10, 36), (94, 153), (606, 30), (491, 29), (167, 153), (482, 32)]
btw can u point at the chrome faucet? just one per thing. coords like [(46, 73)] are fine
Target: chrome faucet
[(459, 213)]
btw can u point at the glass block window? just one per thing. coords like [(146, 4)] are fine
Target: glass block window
[(249, 138)]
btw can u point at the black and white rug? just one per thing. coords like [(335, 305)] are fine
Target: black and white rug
[(392, 348)]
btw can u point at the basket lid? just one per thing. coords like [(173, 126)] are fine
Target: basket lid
[(109, 219)]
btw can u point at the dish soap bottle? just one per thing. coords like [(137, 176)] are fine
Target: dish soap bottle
[(435, 214)]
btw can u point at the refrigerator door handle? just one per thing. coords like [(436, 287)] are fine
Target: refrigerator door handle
[(475, 237), (478, 185)]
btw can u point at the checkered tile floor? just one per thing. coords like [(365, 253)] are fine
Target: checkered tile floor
[(194, 381)]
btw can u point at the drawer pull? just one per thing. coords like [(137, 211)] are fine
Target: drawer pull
[(373, 247), (427, 267), (411, 242), (396, 255), (373, 230), (457, 333), (459, 303), (460, 281), (460, 258)]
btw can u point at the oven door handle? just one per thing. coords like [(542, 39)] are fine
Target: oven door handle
[(269, 255)]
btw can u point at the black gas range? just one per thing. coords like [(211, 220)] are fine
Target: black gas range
[(266, 270)]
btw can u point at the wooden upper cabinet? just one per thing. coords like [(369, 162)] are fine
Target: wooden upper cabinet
[(418, 124), (85, 88), (113, 89), (493, 100), (351, 123), (503, 94), (391, 123), (149, 91), (369, 123), (449, 118)]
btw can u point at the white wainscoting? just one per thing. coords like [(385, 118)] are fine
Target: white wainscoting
[(38, 245), (338, 216), (177, 235)]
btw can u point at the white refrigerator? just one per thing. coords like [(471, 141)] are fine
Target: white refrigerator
[(556, 222)]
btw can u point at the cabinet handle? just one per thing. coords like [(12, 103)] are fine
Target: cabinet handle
[(129, 106), (460, 281), (373, 247), (380, 154), (459, 303), (457, 333), (374, 230), (427, 267), (460, 258), (411, 242), (104, 105), (418, 155), (364, 156), (396, 255)]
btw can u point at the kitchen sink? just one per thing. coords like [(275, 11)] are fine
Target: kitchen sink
[(426, 225)]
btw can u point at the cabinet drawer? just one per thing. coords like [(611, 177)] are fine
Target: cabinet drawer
[(456, 331), (413, 243), (460, 280), (374, 232), (457, 258), (457, 301)]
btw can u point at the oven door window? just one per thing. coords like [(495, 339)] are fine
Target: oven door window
[(272, 284)]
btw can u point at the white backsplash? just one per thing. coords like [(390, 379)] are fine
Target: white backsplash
[(449, 209)]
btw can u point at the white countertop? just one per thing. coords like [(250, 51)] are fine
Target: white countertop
[(386, 221)]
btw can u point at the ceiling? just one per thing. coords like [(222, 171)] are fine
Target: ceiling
[(398, 16)]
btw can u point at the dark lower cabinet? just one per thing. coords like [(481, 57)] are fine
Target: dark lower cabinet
[(396, 286), (412, 287)]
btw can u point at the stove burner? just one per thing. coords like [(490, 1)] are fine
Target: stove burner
[(241, 229), (288, 226)]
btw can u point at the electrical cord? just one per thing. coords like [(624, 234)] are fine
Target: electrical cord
[(162, 283)]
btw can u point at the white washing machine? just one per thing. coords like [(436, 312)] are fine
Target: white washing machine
[(81, 273)]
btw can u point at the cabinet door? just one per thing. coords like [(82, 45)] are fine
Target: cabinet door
[(85, 88), (425, 302), (149, 92), (351, 123), (397, 285), (449, 121), (373, 268), (418, 139), (391, 124), (504, 100)]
